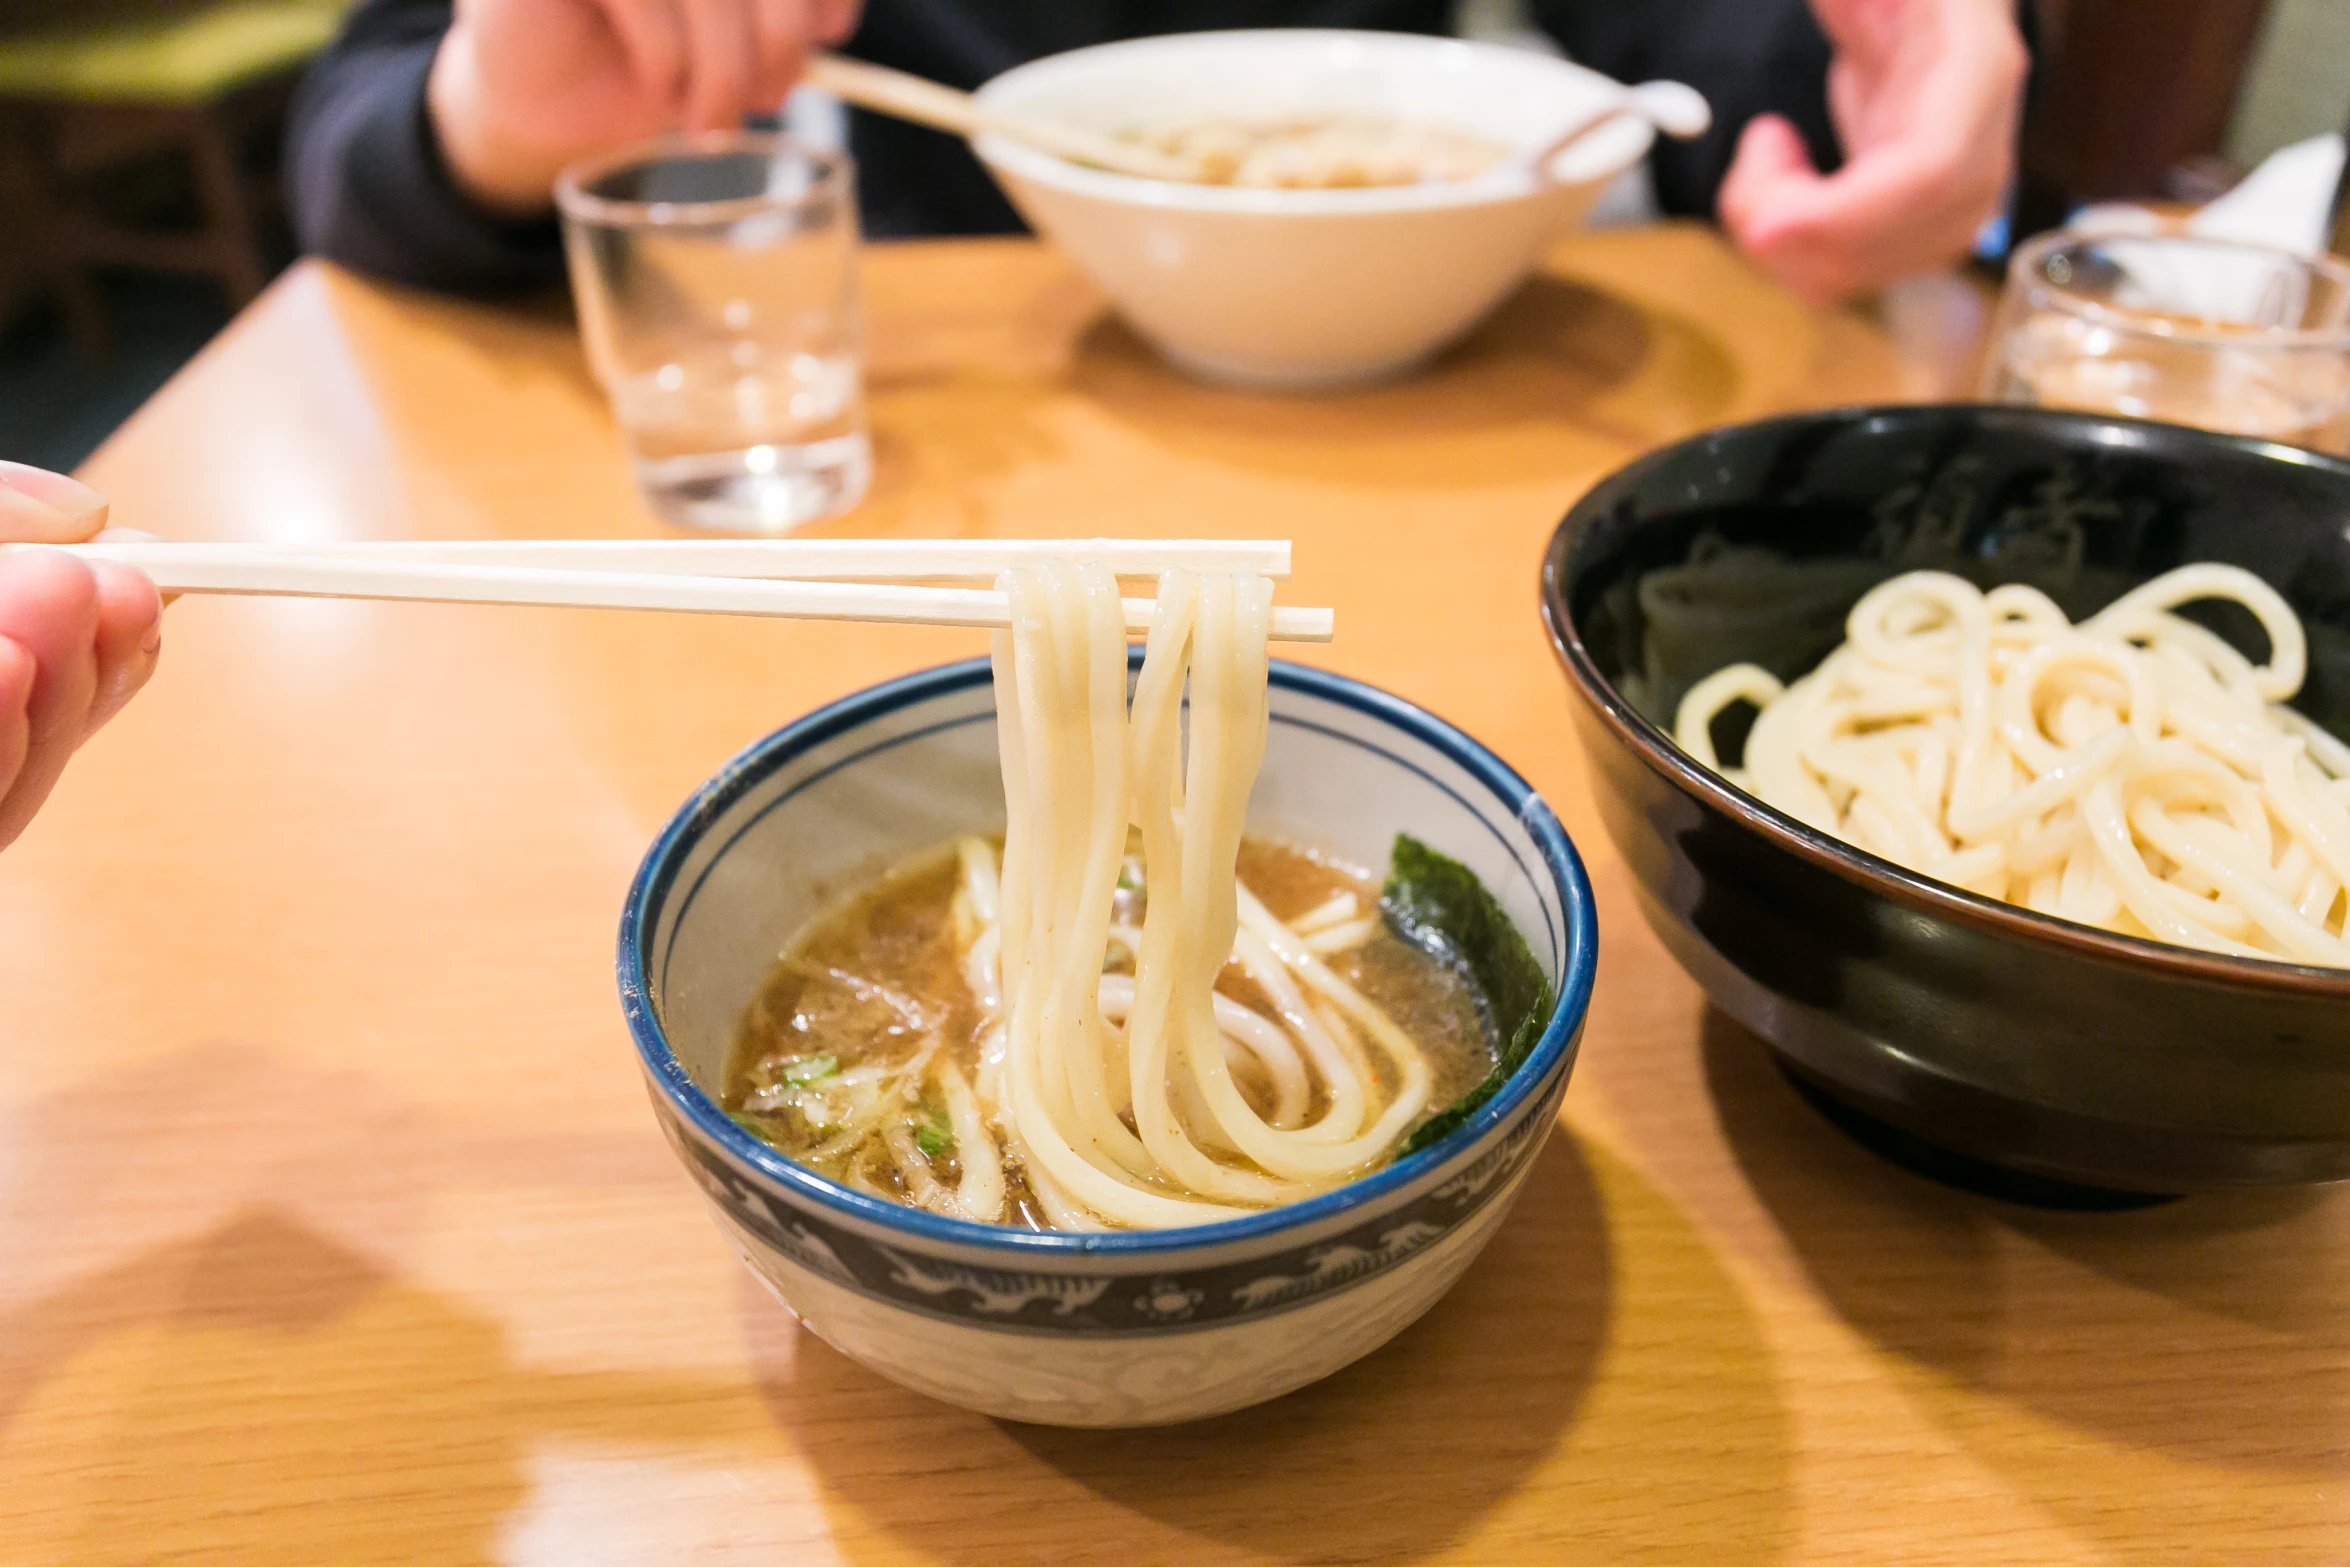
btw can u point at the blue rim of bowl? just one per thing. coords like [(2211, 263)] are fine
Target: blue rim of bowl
[(655, 876)]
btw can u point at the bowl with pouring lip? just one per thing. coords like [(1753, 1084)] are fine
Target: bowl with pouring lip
[(1967, 1025), (1090, 1329), (1306, 288)]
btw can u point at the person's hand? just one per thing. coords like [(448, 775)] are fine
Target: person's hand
[(77, 639), (519, 88), (1925, 96)]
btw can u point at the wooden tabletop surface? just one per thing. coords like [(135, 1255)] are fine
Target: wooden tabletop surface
[(334, 1227)]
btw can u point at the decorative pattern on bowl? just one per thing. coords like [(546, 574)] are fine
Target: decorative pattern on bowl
[(1097, 1302)]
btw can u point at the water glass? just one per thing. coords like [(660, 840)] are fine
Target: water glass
[(716, 279), (2175, 326)]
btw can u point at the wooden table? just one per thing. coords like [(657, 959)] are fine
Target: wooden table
[(334, 1228)]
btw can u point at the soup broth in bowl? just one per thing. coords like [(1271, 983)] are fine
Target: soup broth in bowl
[(874, 1057)]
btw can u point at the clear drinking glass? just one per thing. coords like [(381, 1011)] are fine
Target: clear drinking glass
[(2178, 327), (716, 278)]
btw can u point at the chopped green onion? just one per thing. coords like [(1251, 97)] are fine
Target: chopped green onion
[(807, 1069), (932, 1134)]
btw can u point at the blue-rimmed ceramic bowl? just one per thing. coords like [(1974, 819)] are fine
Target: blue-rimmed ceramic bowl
[(1132, 1328)]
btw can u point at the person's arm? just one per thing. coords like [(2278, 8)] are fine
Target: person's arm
[(1748, 57), (366, 181), (1854, 141), (1925, 96), (424, 144), (77, 639)]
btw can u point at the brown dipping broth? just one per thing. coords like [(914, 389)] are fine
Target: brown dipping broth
[(870, 981)]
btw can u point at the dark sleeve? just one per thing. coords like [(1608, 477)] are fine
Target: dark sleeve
[(365, 180), (1748, 57), (912, 180)]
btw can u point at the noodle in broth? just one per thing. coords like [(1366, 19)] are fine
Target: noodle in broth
[(1104, 1024), (1332, 152)]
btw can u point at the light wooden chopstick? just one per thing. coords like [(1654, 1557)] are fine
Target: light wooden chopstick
[(298, 576), (925, 102), (885, 560)]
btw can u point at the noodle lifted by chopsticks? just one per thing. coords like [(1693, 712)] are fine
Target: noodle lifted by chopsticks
[(1146, 1126)]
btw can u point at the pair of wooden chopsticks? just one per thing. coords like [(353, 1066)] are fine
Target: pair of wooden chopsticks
[(889, 580)]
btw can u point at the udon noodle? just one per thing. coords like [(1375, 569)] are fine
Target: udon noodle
[(1073, 759), (1102, 1025), (2133, 772), (1323, 153)]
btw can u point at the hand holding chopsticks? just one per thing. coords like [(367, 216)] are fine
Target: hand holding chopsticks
[(76, 641), (889, 581)]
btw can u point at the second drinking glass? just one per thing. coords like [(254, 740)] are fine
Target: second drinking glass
[(2179, 327)]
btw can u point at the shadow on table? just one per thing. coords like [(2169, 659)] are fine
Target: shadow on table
[(1596, 1389), (1558, 357), (2212, 1331), (241, 1373), (264, 1393), (177, 1143), (1482, 1420), (1386, 1460)]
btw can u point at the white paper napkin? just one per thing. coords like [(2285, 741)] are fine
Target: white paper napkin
[(2285, 204)]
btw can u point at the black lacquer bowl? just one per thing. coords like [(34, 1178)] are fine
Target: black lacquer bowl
[(2031, 1043)]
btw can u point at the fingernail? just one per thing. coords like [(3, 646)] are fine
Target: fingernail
[(152, 642), (41, 506), (26, 519)]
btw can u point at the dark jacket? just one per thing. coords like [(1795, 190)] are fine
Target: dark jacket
[(368, 187)]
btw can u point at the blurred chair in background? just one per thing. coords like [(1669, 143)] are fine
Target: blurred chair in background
[(84, 97)]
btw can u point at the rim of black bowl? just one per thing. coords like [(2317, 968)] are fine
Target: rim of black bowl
[(1903, 885), (655, 875)]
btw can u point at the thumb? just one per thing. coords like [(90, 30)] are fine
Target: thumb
[(40, 507), (1770, 173)]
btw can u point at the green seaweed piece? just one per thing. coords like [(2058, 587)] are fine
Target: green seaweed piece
[(1440, 906)]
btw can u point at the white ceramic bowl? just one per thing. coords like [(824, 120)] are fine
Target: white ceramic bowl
[(1122, 1329), (1304, 288)]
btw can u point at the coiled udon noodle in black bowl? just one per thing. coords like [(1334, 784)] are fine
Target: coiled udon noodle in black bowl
[(2037, 1043)]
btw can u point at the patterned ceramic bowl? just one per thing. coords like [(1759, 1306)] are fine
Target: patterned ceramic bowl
[(1130, 1328)]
